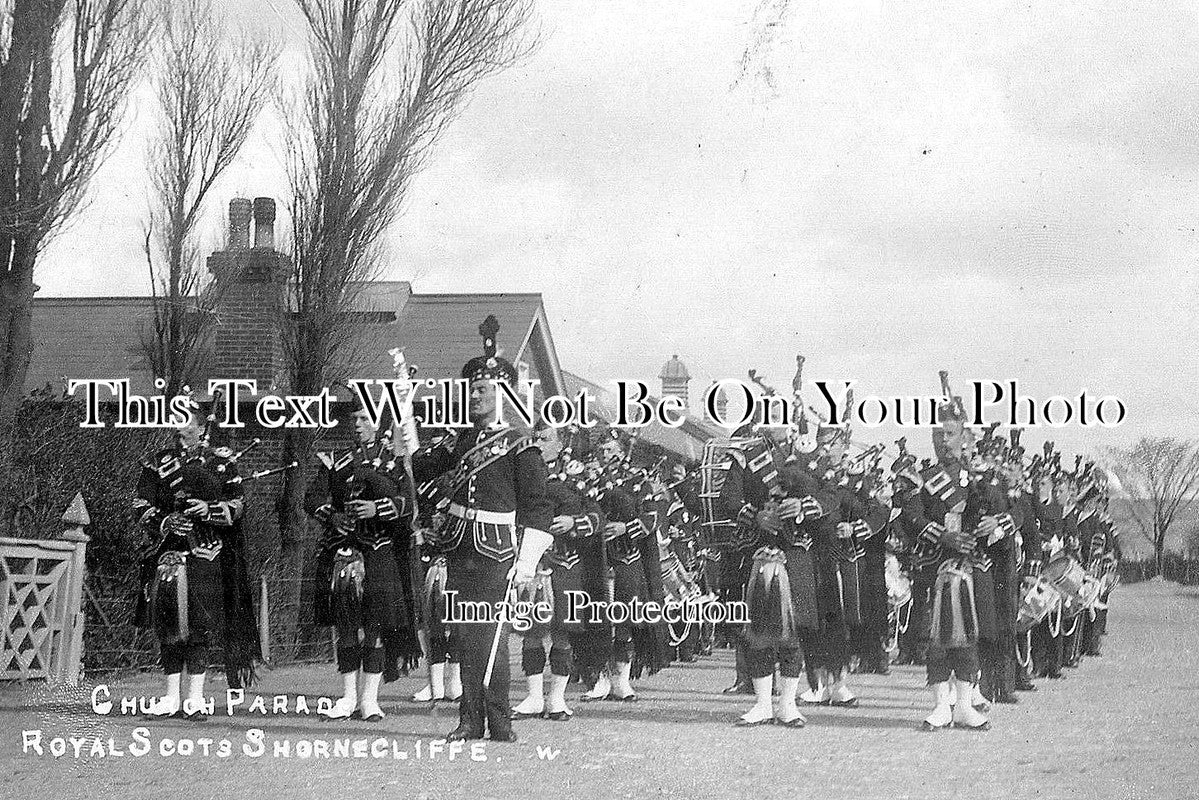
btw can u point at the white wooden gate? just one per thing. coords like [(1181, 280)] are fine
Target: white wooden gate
[(41, 586)]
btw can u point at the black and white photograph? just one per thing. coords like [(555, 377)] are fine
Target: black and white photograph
[(599, 398)]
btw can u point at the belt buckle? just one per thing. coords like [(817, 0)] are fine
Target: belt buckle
[(471, 514)]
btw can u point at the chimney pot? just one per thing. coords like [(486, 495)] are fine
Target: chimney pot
[(239, 223), (264, 222)]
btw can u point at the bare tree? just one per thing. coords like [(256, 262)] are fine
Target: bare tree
[(385, 79), (211, 87), (1161, 477), (66, 70)]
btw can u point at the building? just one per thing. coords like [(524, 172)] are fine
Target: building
[(103, 337)]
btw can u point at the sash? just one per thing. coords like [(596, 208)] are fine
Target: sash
[(483, 455)]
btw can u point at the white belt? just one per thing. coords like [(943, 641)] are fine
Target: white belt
[(479, 515)]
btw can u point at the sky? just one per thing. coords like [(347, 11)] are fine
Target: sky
[(1005, 191)]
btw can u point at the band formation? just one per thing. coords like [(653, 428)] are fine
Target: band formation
[(989, 567)]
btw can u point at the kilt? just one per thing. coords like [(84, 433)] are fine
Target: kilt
[(203, 583), (986, 604), (874, 592), (955, 610), (838, 592), (631, 582), (566, 579), (205, 596), (801, 570), (384, 606), (781, 595)]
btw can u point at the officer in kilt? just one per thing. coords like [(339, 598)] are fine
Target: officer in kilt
[(364, 586), (195, 585), (496, 530)]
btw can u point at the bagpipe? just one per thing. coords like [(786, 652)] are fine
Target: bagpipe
[(189, 474)]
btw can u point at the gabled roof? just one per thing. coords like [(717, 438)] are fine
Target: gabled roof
[(440, 332)]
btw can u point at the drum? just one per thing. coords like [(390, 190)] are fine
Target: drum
[(677, 583), (1038, 600), (1067, 576)]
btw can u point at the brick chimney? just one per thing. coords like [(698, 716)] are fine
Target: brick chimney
[(253, 279)]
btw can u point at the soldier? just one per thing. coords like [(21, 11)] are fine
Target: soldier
[(998, 654), (783, 500), (873, 513), (195, 585), (1029, 553), (682, 541), (445, 674), (632, 558), (836, 554), (577, 521), (921, 563), (1048, 642), (497, 486), (1073, 546), (1105, 557), (364, 589), (952, 519), (742, 495)]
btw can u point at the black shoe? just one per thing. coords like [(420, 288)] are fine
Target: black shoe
[(504, 736), (740, 687), (558, 716), (525, 715), (1007, 699), (464, 733), (1056, 676), (196, 716), (1026, 686)]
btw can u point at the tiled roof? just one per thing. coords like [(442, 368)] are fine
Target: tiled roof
[(88, 337), (440, 332), (100, 337)]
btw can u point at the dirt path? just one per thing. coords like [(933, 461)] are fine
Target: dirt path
[(1122, 726)]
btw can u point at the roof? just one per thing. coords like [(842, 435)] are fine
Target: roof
[(88, 337), (100, 337), (687, 440), (440, 332), (674, 370)]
